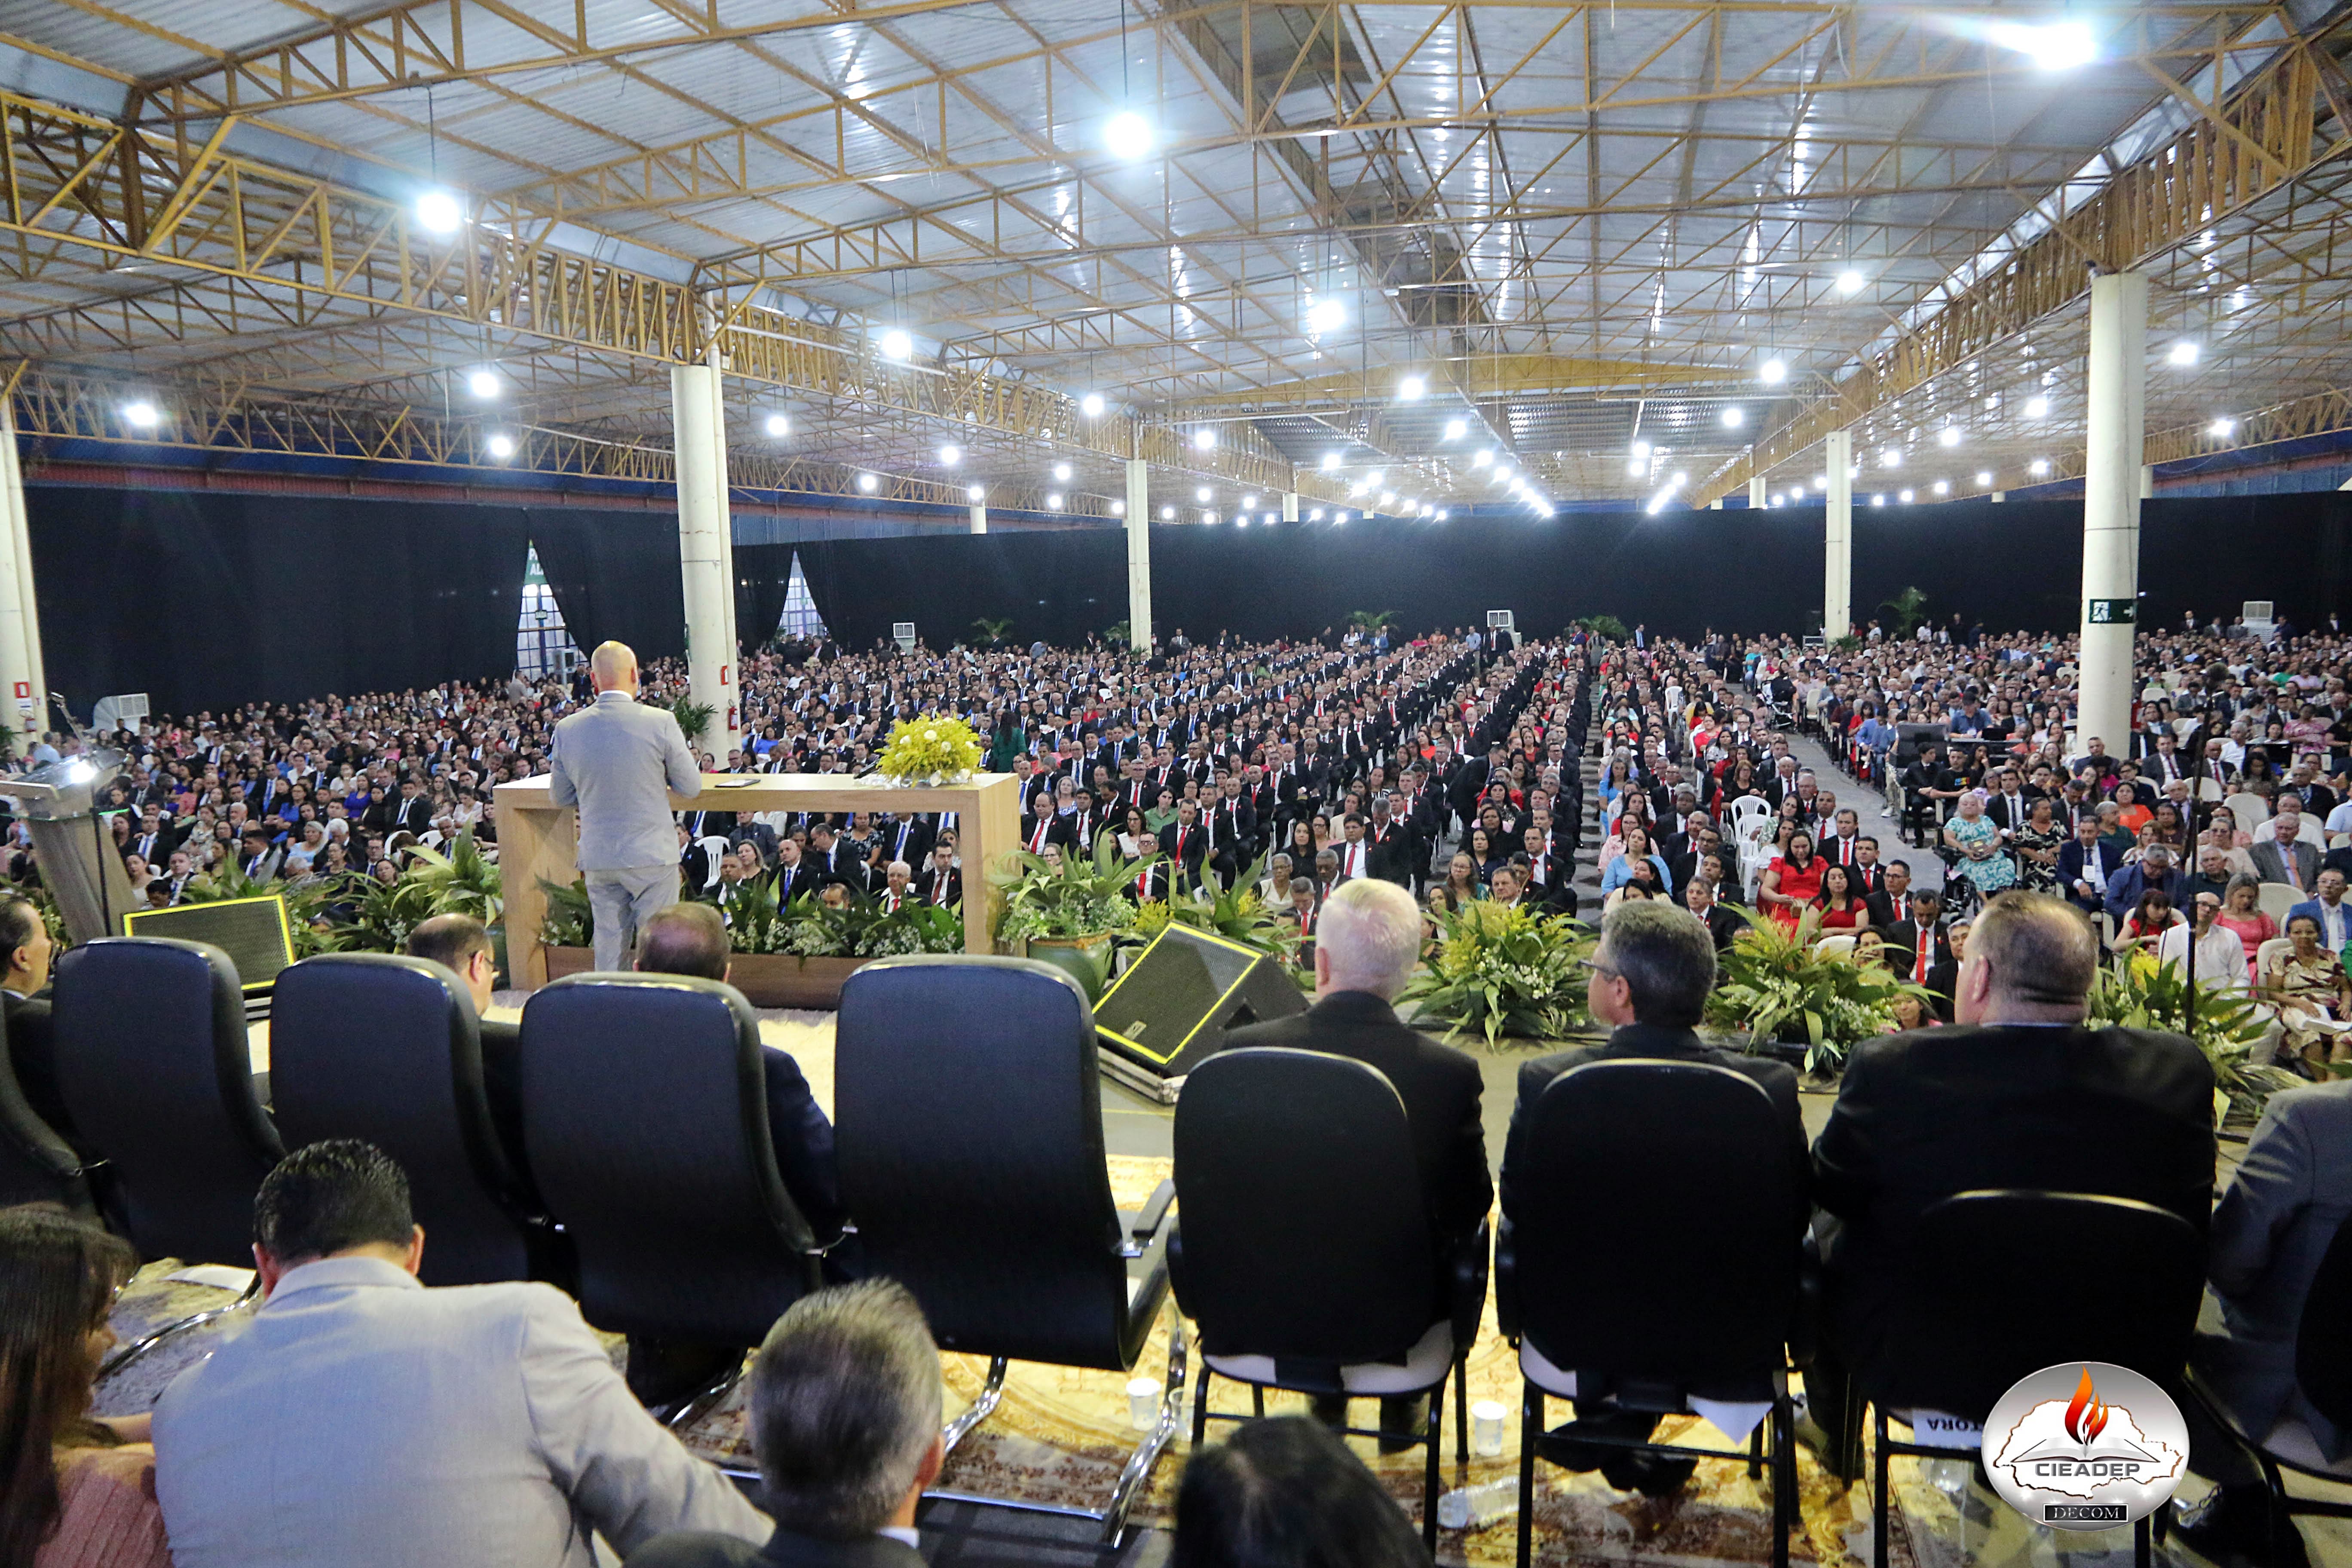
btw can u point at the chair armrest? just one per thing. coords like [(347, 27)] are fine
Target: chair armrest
[(1811, 1304), (1506, 1280), (1470, 1284), (1141, 1228)]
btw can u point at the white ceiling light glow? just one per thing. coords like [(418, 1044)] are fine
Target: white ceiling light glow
[(1204, 439), (2035, 407), (1456, 428), (1773, 373), (437, 211), (1127, 136), (1412, 388), (1330, 461), (483, 384), (1062, 472), (778, 425), (977, 492), (1949, 436), (2222, 428), (2051, 46), (1325, 316), (142, 415), (501, 446), (950, 456), (866, 482), (1733, 418), (897, 345), (1850, 281), (1091, 405)]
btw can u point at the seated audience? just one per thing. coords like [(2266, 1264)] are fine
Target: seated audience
[(844, 1413), (1366, 945), (1284, 1493), (1649, 983), (75, 1492), (2306, 987), (2219, 963), (363, 1420), (2022, 1095)]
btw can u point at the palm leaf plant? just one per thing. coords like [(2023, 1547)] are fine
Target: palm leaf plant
[(1082, 896), (2226, 1025), (1776, 984), (1499, 972)]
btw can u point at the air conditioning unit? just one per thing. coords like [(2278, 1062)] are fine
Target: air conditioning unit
[(1501, 619), (903, 634)]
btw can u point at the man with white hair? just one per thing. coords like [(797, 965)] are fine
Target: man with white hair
[(1367, 942), (618, 762)]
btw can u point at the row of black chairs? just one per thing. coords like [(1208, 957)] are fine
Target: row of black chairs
[(1655, 1265)]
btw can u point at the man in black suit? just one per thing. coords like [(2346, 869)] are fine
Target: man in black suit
[(460, 944), (1185, 845), (25, 949), (2019, 1095), (793, 875), (1367, 942), (1903, 936), (1723, 924), (940, 884), (1649, 982), (1890, 904), (414, 814)]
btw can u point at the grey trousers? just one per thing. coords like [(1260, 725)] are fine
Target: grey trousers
[(623, 901)]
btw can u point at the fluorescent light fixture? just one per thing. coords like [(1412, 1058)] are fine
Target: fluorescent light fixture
[(1455, 429), (1128, 135), (1249, 503), (2183, 353), (2222, 428), (1062, 472), (2035, 407), (1850, 281), (1481, 459), (1949, 436), (2039, 467), (778, 425), (1733, 418), (950, 455), (142, 415), (1773, 373), (2051, 46), (501, 446), (1411, 388), (437, 211), (976, 492), (1204, 439), (897, 345), (1325, 316), (1330, 461), (866, 482), (483, 384), (1091, 405)]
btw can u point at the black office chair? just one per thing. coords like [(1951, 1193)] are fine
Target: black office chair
[(155, 1069), (371, 1045), (1302, 1250), (969, 1127), (36, 1165), (1653, 1261), (645, 1117), (1980, 1305), (2323, 1373)]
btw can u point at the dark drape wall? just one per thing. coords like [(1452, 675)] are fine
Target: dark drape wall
[(764, 575), (205, 600), (616, 576)]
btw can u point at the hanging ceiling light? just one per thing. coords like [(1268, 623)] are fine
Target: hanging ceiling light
[(1091, 405), (896, 344), (1127, 136), (437, 211)]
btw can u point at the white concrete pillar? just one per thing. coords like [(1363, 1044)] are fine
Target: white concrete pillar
[(1837, 578), (2147, 481), (703, 549), (2117, 398), (1290, 506), (980, 518), (1756, 490), (1138, 556), (24, 695)]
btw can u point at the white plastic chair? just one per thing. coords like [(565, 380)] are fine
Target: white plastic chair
[(714, 846), (1746, 809), (2248, 808), (2209, 789), (2315, 830), (2274, 899), (1838, 946)]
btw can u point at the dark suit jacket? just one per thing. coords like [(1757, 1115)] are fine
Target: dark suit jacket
[(1439, 1085), (32, 1050), (1643, 1041), (1930, 1112), (702, 1548)]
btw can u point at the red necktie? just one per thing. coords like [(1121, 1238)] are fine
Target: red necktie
[(1037, 840), (1919, 968), (1179, 846)]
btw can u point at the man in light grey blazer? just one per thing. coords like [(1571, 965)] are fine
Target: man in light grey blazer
[(363, 1420), (2272, 859), (2274, 1226), (618, 762)]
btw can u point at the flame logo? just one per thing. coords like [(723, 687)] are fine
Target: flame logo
[(2086, 1417)]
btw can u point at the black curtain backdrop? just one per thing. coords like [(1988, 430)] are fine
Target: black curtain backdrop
[(207, 600), (616, 576), (764, 575)]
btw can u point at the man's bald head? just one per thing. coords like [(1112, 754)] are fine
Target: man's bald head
[(613, 667)]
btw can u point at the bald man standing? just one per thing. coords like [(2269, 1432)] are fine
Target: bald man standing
[(619, 761)]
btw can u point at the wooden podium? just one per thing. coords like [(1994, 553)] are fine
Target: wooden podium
[(537, 839)]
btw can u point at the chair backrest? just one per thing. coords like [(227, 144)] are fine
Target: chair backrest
[(1686, 1276), (1838, 946), (1303, 1230), (1999, 1283), (645, 1118), (367, 1044), (2208, 788), (714, 845), (968, 1127), (154, 1067), (2323, 1356), (2313, 830), (2248, 808), (37, 1165), (1748, 806), (2270, 952), (2274, 899)]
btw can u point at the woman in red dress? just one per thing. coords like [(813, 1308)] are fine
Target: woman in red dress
[(1791, 881), (1839, 902)]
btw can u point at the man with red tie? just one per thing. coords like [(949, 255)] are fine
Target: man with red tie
[(942, 883), (1185, 845), (1355, 850), (1890, 904), (1844, 848), (1916, 947)]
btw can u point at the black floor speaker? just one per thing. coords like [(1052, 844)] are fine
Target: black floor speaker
[(1171, 1008)]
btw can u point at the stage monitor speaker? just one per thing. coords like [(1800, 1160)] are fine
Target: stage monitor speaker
[(254, 933), (1171, 1008)]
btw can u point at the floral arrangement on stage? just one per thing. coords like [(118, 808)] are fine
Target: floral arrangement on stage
[(808, 927), (1499, 972), (927, 747), (1778, 984)]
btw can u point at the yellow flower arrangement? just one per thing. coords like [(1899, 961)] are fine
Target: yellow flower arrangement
[(930, 745)]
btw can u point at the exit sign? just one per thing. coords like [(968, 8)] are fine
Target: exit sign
[(2113, 612)]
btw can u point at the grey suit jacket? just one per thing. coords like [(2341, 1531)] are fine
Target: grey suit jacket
[(363, 1420), (2271, 866), (2272, 1227), (618, 762)]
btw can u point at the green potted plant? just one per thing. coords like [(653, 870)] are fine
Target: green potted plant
[(1790, 999), (2227, 1027), (1068, 913), (693, 718), (1499, 973)]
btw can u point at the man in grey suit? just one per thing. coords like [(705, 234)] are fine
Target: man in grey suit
[(845, 1425), (2288, 857), (2270, 1229), (363, 1420), (619, 761)]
